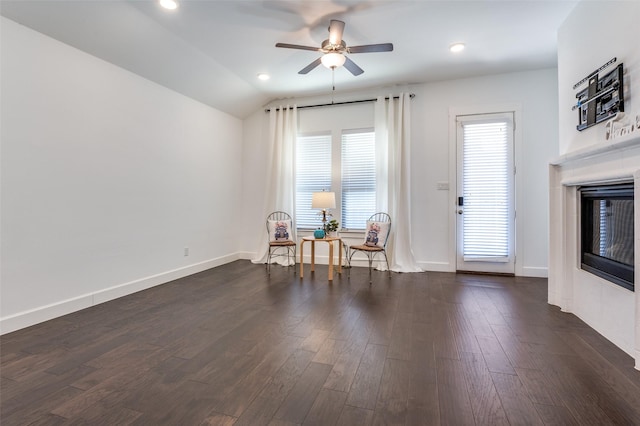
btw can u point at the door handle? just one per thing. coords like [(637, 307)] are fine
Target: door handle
[(460, 211)]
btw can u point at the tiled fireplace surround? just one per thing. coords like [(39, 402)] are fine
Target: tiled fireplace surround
[(610, 309)]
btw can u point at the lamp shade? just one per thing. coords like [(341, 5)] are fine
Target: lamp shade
[(333, 60), (323, 200)]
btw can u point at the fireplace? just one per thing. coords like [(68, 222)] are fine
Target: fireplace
[(601, 182), (607, 232)]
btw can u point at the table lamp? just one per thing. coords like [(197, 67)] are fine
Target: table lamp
[(323, 200)]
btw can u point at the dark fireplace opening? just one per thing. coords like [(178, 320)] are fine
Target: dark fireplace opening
[(607, 232)]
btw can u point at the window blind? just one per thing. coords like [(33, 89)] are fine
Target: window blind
[(358, 179), (313, 174), (486, 190)]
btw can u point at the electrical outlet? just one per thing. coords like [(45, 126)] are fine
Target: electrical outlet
[(186, 251)]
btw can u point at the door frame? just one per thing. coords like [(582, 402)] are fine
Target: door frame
[(516, 109), (504, 265)]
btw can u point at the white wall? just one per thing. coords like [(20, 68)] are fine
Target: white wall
[(106, 178), (582, 51), (536, 93), (431, 148)]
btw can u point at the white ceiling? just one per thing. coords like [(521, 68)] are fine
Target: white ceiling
[(213, 50)]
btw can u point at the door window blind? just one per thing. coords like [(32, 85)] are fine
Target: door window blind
[(486, 190)]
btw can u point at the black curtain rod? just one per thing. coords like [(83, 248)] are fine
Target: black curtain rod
[(412, 95)]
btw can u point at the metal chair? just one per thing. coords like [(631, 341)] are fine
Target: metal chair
[(286, 247), (371, 251)]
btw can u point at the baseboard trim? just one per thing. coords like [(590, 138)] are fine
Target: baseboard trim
[(495, 274), (45, 313), (535, 271), (437, 266), (246, 255)]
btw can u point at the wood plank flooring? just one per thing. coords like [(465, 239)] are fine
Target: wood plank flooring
[(233, 346)]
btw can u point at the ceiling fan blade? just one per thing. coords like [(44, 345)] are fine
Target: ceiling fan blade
[(297, 46), (367, 48), (336, 28), (309, 67), (352, 67)]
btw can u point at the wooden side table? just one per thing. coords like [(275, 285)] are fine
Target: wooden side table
[(330, 241)]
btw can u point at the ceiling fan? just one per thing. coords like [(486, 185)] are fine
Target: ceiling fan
[(334, 49)]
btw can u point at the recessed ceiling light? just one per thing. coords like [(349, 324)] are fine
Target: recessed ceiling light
[(169, 4), (457, 47), (263, 76)]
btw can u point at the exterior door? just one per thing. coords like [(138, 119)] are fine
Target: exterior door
[(485, 193)]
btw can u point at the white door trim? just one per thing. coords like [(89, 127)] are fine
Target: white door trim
[(516, 108)]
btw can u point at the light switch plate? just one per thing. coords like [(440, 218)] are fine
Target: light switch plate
[(443, 186)]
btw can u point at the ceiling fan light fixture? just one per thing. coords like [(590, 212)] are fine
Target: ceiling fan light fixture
[(169, 4), (456, 47), (333, 60), (334, 48)]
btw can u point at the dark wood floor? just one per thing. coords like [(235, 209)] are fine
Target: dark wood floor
[(232, 346)]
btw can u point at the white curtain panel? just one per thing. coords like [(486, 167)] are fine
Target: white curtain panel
[(280, 190), (393, 189)]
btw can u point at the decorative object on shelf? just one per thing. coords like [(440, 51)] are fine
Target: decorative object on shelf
[(602, 99), (621, 126), (318, 233), (324, 200), (332, 228)]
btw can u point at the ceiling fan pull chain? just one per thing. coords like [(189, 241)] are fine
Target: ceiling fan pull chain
[(333, 82)]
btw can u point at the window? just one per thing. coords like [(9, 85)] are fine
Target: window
[(358, 178), (313, 174), (350, 173)]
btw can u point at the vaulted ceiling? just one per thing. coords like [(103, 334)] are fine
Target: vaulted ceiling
[(213, 50)]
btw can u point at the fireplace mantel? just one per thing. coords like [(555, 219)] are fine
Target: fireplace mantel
[(589, 152)]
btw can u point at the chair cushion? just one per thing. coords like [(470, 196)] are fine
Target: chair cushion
[(376, 233), (280, 230), (282, 243), (365, 247)]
